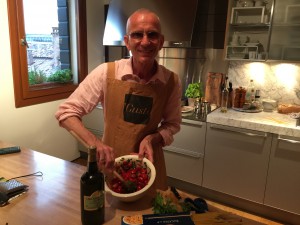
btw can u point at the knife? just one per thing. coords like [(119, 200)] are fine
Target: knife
[(177, 195), (198, 205)]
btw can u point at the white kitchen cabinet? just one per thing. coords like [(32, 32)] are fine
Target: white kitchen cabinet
[(283, 182), (94, 123), (236, 161), (285, 36), (184, 158), (248, 30)]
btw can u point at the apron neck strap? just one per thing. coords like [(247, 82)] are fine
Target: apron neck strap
[(111, 69)]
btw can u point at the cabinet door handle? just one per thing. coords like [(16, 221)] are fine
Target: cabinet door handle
[(264, 135), (288, 140)]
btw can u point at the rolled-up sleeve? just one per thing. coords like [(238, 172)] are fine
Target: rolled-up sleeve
[(86, 97), (170, 124)]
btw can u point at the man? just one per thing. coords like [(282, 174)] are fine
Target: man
[(140, 99)]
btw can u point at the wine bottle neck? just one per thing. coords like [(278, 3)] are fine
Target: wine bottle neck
[(92, 167), (92, 160)]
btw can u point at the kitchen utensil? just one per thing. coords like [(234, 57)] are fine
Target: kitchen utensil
[(206, 107), (198, 205), (129, 186), (177, 195)]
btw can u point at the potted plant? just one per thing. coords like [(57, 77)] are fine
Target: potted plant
[(61, 76), (36, 77), (193, 91)]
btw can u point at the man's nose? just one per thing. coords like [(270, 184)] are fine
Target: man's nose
[(145, 40)]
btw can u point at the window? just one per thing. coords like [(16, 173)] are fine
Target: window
[(47, 65)]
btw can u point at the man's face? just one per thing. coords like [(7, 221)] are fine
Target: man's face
[(144, 39)]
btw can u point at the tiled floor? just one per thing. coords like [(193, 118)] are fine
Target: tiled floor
[(255, 218)]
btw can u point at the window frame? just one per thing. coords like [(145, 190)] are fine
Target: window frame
[(26, 94)]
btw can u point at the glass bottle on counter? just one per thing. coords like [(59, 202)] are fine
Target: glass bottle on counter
[(230, 95), (257, 100), (250, 94), (92, 192), (224, 99), (257, 95)]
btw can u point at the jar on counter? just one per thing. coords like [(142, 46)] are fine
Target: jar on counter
[(239, 97)]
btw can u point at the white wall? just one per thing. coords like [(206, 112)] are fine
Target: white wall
[(278, 81), (35, 126)]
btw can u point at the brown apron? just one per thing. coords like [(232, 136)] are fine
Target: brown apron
[(133, 111)]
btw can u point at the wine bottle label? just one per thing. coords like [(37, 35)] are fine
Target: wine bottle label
[(95, 201)]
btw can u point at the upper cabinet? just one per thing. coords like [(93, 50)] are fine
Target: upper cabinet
[(285, 35), (248, 30), (260, 30)]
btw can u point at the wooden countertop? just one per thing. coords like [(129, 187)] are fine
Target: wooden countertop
[(54, 198)]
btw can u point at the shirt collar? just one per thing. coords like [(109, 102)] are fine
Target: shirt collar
[(127, 73)]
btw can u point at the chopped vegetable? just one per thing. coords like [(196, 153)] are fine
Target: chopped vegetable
[(163, 205), (133, 171)]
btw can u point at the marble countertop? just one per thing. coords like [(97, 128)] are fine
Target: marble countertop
[(272, 122)]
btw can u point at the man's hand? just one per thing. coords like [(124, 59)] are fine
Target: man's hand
[(146, 146), (105, 154), (105, 157), (146, 149)]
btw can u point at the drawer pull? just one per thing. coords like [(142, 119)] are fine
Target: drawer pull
[(184, 152), (264, 135), (288, 140)]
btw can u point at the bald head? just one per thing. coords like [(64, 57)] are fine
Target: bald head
[(140, 15)]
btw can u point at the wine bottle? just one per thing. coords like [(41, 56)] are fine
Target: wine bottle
[(224, 100), (92, 197)]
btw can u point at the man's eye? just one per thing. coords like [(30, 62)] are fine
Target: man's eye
[(137, 35), (153, 35)]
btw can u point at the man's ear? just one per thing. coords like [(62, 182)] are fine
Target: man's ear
[(162, 40), (126, 41)]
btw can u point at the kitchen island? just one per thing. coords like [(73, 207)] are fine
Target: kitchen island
[(54, 197)]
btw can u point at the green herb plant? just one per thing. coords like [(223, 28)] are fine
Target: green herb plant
[(61, 76), (194, 90), (36, 77), (165, 205)]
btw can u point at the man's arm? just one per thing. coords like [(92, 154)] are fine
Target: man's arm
[(105, 154), (170, 124), (75, 125)]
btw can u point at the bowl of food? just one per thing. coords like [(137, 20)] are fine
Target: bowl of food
[(138, 176)]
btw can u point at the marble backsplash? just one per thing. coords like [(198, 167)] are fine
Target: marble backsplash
[(278, 81)]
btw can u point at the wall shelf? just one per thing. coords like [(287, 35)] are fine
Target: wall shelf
[(248, 24)]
